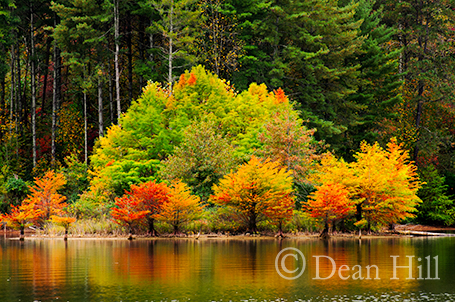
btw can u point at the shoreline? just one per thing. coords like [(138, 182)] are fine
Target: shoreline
[(400, 231)]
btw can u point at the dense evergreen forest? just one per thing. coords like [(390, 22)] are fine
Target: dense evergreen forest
[(75, 75)]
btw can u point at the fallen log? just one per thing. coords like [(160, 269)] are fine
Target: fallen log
[(421, 233)]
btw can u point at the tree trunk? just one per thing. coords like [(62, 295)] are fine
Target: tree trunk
[(32, 85), (18, 93), (252, 223), (2, 98), (325, 233), (358, 214), (13, 86), (46, 73), (22, 234), (116, 58), (111, 97), (130, 59), (85, 122), (100, 107), (55, 100), (141, 49), (419, 112), (152, 230), (171, 31)]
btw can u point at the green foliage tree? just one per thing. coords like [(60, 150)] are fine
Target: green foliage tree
[(436, 207), (286, 140), (425, 29), (304, 47), (202, 158), (154, 125), (380, 82), (76, 175), (82, 37)]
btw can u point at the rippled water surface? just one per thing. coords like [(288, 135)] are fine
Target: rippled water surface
[(226, 270)]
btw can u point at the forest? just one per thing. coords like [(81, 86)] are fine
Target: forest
[(223, 115)]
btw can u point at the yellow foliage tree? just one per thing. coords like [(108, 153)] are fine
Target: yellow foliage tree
[(45, 197), (64, 222), (381, 182), (182, 207), (256, 190)]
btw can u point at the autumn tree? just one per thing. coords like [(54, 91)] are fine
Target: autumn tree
[(219, 48), (182, 207), (45, 197), (331, 202), (383, 183), (152, 196), (128, 211), (254, 189), (64, 222), (22, 216), (155, 124), (203, 157), (286, 140)]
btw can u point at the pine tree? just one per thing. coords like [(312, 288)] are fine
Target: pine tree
[(81, 34), (425, 31), (379, 80), (177, 23)]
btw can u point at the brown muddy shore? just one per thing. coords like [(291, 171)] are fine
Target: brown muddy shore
[(400, 231)]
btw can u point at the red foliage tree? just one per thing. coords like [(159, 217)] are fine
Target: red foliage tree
[(128, 211), (21, 216), (330, 202), (152, 195)]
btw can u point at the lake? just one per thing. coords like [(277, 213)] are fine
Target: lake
[(228, 270)]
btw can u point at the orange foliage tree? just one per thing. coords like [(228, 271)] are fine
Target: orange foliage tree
[(382, 182), (152, 195), (45, 197), (257, 189), (65, 222), (182, 207), (330, 202), (21, 216), (128, 211)]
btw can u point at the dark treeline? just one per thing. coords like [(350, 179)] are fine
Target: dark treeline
[(357, 70)]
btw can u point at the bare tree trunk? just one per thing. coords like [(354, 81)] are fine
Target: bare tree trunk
[(171, 31), (151, 58), (141, 49), (130, 60), (100, 106), (116, 55), (2, 101), (18, 95), (13, 86), (32, 84), (55, 98), (85, 129), (46, 73), (111, 96)]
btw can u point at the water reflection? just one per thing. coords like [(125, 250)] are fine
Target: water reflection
[(114, 270)]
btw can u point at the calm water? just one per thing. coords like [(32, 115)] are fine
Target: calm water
[(223, 270)]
